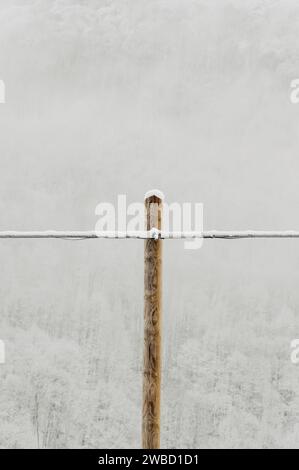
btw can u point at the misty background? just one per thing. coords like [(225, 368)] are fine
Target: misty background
[(116, 97)]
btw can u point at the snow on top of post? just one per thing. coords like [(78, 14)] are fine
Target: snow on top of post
[(154, 192)]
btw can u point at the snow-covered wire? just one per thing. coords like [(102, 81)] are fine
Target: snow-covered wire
[(151, 234)]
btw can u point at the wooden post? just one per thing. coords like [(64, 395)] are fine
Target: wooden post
[(152, 324)]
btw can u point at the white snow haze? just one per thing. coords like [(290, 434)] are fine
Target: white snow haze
[(108, 97)]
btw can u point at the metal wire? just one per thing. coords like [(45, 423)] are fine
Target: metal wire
[(152, 234)]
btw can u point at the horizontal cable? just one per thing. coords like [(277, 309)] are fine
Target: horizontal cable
[(75, 235), (232, 235), (151, 234)]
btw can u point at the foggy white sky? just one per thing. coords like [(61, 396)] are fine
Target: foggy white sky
[(116, 97)]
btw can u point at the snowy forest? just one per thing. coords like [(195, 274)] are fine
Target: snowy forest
[(108, 97)]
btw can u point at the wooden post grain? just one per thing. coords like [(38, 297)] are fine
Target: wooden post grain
[(152, 324)]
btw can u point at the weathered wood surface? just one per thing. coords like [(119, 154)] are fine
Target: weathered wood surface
[(152, 328)]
